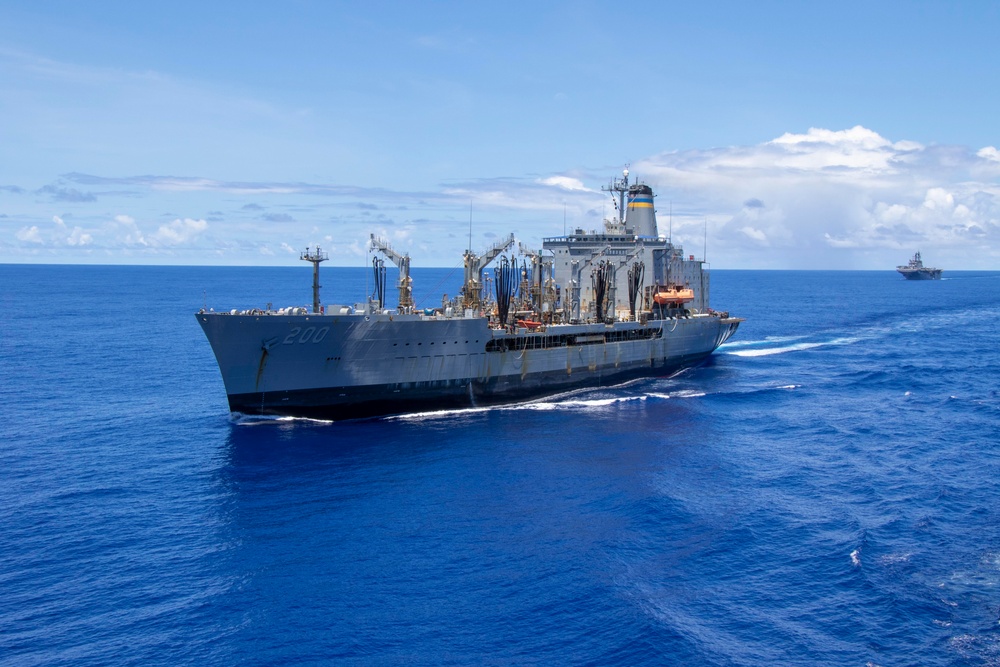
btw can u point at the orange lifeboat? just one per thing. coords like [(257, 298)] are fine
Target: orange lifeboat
[(673, 295), (528, 324)]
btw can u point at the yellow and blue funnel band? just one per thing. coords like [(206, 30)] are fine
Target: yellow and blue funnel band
[(641, 201)]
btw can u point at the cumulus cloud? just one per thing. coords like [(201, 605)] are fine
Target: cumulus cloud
[(179, 232), (848, 198), (989, 153), (128, 232), (78, 237), (71, 237), (29, 235)]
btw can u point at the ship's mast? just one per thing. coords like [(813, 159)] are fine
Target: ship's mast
[(619, 186), (314, 256)]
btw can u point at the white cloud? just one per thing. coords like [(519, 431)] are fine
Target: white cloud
[(565, 182), (127, 231), (29, 235), (856, 136), (989, 153), (179, 232), (755, 234), (939, 199), (837, 243), (402, 234), (846, 199), (76, 236), (856, 148), (890, 213)]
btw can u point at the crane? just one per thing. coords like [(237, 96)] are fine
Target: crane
[(474, 265), (402, 262), (541, 293)]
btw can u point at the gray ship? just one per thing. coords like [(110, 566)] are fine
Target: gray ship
[(588, 309), (916, 270)]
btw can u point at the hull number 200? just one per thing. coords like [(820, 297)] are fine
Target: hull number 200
[(308, 335)]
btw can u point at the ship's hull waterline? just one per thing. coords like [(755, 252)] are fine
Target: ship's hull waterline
[(357, 366), (928, 274)]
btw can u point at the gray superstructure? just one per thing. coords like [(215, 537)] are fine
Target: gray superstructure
[(588, 309)]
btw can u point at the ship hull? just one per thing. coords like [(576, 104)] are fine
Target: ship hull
[(339, 403), (922, 274), (354, 366)]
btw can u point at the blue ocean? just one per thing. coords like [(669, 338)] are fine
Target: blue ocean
[(825, 490)]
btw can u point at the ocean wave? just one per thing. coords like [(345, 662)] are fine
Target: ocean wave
[(567, 401), (769, 340), (438, 414), (683, 393), (240, 419), (798, 347), (861, 332), (571, 404), (768, 351)]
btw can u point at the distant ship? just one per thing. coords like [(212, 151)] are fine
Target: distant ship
[(589, 309), (916, 270)]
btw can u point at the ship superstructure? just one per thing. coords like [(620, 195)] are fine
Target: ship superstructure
[(588, 309), (915, 270)]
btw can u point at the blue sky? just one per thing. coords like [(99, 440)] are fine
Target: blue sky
[(797, 135)]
